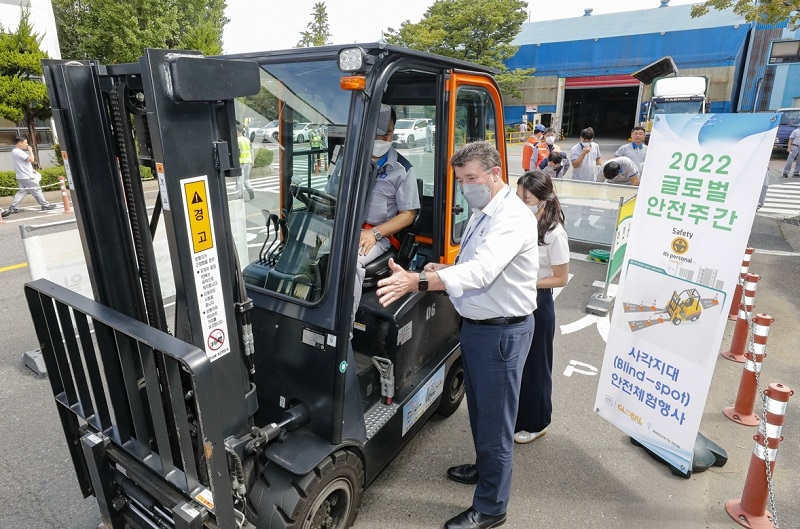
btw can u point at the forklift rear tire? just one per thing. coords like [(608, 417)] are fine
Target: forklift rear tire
[(453, 392), (328, 497)]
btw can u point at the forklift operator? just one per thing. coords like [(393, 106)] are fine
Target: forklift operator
[(392, 202)]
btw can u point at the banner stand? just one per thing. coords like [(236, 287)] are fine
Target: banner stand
[(707, 454)]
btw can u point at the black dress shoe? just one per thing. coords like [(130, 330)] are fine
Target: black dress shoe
[(472, 519), (463, 474)]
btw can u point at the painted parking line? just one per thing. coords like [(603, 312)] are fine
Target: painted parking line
[(13, 267)]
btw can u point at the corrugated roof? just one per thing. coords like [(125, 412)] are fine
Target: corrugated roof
[(643, 21)]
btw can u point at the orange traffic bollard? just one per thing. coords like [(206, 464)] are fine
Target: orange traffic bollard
[(64, 195), (737, 293), (740, 332), (742, 411), (751, 509)]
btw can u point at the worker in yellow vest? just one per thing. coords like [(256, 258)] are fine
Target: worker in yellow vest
[(246, 163)]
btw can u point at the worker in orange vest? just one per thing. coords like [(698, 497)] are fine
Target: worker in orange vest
[(532, 147)]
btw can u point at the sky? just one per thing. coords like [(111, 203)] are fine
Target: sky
[(259, 25)]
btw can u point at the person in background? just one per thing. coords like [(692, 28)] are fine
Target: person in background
[(523, 131), (492, 285), (556, 167), (794, 150), (620, 170), (585, 157), (531, 147), (27, 178), (535, 395), (551, 147), (428, 136), (246, 162), (636, 150)]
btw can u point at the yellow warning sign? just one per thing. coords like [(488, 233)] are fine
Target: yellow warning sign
[(198, 215)]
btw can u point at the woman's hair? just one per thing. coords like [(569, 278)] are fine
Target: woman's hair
[(538, 184)]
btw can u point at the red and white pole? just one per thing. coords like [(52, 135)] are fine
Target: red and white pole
[(737, 293), (64, 196), (751, 509), (742, 411), (740, 332)]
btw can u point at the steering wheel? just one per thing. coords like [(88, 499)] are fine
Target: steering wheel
[(315, 200)]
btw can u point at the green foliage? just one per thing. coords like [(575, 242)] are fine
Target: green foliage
[(478, 31), (318, 33), (264, 102), (767, 12), (116, 32), (23, 96), (264, 158)]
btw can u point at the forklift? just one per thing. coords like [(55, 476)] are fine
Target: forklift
[(252, 399)]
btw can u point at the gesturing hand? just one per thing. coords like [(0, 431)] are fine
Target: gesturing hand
[(394, 286)]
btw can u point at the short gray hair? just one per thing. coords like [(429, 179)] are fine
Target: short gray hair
[(483, 151)]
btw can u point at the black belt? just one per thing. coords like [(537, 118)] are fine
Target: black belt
[(498, 321)]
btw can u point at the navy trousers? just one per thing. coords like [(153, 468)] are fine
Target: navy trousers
[(493, 359), (536, 391)]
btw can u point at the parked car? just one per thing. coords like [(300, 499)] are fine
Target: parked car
[(410, 132), (262, 130), (301, 131), (790, 120)]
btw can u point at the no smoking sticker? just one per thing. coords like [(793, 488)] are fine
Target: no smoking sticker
[(216, 339)]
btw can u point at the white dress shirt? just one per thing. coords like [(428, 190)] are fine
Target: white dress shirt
[(495, 275)]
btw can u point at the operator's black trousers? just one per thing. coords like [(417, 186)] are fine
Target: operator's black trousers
[(536, 391)]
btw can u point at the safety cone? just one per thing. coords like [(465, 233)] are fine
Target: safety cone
[(742, 411), (740, 332), (751, 509), (737, 293)]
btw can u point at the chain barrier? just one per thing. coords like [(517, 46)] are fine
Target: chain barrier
[(17, 188), (750, 347)]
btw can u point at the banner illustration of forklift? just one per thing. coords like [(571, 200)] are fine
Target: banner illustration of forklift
[(686, 306)]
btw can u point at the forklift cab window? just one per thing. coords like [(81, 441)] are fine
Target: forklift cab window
[(284, 232), (475, 121)]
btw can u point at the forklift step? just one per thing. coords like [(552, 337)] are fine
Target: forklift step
[(379, 415)]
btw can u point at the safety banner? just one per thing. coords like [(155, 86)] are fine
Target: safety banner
[(690, 228)]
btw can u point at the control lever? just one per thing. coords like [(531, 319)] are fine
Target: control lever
[(386, 369)]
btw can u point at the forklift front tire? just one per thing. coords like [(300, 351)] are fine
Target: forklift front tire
[(328, 497), (453, 392)]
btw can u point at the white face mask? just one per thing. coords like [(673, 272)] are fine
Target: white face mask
[(380, 147), (535, 209), (550, 139), (476, 195)]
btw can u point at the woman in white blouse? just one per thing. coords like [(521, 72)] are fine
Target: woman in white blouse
[(535, 398)]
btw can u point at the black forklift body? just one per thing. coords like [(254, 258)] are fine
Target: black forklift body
[(251, 405)]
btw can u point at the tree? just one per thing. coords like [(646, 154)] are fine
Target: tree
[(318, 33), (771, 12), (115, 32), (23, 95), (479, 31)]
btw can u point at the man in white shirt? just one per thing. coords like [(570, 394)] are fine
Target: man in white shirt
[(492, 285), (585, 157), (27, 178)]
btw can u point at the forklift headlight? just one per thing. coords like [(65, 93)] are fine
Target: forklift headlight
[(352, 60)]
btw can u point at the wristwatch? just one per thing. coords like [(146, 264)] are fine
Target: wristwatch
[(423, 282), (377, 234)]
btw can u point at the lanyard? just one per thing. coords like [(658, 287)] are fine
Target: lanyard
[(465, 240)]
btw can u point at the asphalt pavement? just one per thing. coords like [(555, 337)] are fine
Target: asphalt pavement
[(583, 474)]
